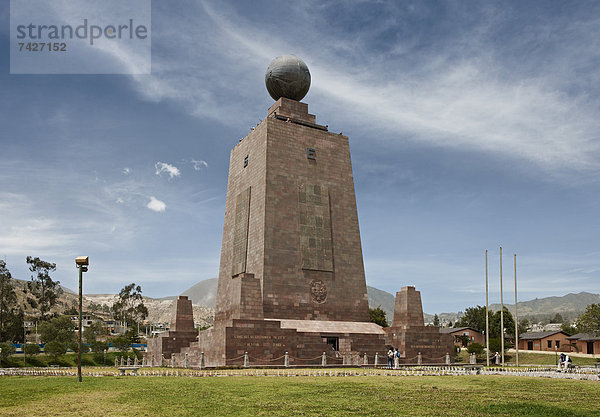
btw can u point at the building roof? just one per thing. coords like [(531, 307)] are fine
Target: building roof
[(456, 329), (538, 335), (584, 337)]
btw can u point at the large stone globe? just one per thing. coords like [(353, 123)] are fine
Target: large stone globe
[(287, 76)]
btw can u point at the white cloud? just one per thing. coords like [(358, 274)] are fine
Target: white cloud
[(198, 164), (156, 205), (126, 171), (173, 171)]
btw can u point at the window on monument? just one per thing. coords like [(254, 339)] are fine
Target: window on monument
[(246, 161), (311, 153), (334, 342), (557, 343), (549, 343)]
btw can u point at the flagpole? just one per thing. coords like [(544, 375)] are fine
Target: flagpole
[(516, 315), (501, 310), (487, 319)]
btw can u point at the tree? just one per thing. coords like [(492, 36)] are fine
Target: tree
[(133, 335), (567, 328), (129, 306), (44, 291), (31, 349), (523, 326), (121, 343), (91, 333), (509, 324), (99, 347), (436, 320), (557, 318), (589, 321), (475, 348), (8, 298), (378, 316), (464, 340), (473, 317), (60, 329), (7, 350), (55, 349), (14, 330)]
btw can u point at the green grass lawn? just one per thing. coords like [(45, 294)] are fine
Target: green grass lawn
[(299, 396)]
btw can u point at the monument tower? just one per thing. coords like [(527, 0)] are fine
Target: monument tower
[(291, 276)]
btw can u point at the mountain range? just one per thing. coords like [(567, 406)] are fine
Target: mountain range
[(204, 294)]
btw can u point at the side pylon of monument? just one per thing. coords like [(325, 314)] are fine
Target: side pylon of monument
[(410, 335)]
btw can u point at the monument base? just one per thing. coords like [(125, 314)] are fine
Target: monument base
[(267, 341)]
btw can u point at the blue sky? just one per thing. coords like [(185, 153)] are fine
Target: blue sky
[(471, 124)]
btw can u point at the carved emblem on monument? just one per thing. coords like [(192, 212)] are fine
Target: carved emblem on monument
[(318, 291)]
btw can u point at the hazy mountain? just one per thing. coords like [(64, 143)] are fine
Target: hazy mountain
[(384, 299), (203, 293), (570, 305)]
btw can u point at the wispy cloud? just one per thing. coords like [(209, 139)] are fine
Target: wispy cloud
[(460, 95), (126, 171), (198, 164), (156, 205), (171, 170)]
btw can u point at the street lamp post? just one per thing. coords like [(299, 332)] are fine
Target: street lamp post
[(82, 263)]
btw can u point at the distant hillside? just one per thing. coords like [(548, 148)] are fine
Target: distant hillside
[(570, 305), (384, 299), (203, 293)]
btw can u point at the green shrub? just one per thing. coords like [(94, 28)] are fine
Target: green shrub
[(55, 349), (475, 348), (7, 350), (36, 362), (87, 362)]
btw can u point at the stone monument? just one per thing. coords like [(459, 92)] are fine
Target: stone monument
[(291, 278), (409, 333), (181, 332)]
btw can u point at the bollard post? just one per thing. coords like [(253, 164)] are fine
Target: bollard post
[(122, 360), (324, 360), (135, 361), (351, 359), (162, 359), (447, 359), (246, 360), (152, 361), (186, 360), (376, 358), (116, 362), (419, 359), (286, 360), (357, 359), (366, 360), (202, 364)]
